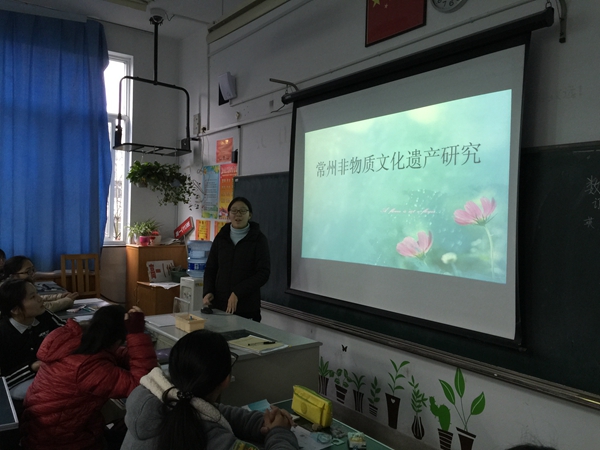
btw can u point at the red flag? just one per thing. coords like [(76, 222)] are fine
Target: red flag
[(387, 18)]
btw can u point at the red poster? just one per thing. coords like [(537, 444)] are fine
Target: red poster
[(224, 150), (387, 18), (226, 175)]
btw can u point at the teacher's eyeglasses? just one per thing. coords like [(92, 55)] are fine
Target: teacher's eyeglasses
[(236, 212)]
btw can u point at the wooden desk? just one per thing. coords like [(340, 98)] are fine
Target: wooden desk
[(138, 256), (154, 299), (255, 377)]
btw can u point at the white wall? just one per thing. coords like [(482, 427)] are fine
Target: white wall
[(311, 41)]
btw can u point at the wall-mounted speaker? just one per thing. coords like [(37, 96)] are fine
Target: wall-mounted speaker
[(227, 89)]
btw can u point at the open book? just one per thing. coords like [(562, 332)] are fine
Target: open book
[(257, 344)]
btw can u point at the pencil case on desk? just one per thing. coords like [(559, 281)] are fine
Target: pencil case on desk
[(312, 406)]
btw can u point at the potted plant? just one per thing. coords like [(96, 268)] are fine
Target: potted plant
[(393, 402), (172, 185), (144, 229), (477, 407), (418, 401), (324, 373)]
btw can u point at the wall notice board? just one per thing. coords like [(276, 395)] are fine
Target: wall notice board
[(558, 274)]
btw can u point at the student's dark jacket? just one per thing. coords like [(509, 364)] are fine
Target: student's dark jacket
[(241, 268)]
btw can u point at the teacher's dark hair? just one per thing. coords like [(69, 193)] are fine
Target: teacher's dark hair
[(106, 328), (12, 294), (240, 199), (198, 363)]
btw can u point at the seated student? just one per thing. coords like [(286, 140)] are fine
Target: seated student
[(184, 414), (82, 369), (22, 267), (24, 324)]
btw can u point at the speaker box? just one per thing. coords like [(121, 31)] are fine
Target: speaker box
[(227, 86)]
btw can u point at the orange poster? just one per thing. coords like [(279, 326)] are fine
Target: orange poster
[(202, 230), (224, 149), (218, 225), (226, 175)]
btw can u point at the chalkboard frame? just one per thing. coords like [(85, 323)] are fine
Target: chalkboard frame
[(549, 363)]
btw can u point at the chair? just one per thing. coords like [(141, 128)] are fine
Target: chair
[(81, 273)]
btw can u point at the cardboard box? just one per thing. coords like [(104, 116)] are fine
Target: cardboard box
[(189, 322)]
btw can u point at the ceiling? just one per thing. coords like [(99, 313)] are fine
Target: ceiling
[(182, 18)]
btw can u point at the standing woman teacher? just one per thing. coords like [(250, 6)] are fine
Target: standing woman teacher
[(238, 264)]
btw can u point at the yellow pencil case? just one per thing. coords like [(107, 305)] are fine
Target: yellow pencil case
[(312, 406)]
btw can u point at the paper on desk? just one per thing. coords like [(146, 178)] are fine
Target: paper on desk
[(162, 320), (255, 344), (165, 285), (306, 442), (83, 318), (87, 301)]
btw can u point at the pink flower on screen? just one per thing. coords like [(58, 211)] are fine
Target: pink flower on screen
[(473, 215), (415, 249)]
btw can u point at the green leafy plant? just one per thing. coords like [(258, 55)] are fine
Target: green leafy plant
[(375, 390), (418, 399), (441, 412), (324, 369), (477, 406), (394, 385), (143, 228), (342, 378), (172, 185), (356, 381)]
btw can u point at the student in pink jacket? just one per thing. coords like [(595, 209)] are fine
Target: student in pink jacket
[(82, 368)]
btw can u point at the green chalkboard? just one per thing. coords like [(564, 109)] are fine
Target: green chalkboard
[(558, 270)]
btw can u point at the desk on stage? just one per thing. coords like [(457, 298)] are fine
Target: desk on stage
[(254, 377), (85, 307)]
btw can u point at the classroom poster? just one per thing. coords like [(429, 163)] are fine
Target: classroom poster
[(228, 172), (218, 225), (224, 150), (211, 192), (202, 230)]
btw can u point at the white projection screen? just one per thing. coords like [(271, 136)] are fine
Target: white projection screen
[(404, 196)]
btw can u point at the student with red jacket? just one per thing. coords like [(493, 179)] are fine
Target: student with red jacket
[(82, 368)]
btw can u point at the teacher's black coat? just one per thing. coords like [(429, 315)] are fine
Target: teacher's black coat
[(241, 268)]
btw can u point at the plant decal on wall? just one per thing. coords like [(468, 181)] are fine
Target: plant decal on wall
[(393, 402), (417, 402), (324, 374), (443, 415), (477, 407), (341, 384), (358, 396), (374, 398)]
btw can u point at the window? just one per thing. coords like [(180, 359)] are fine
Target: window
[(118, 198)]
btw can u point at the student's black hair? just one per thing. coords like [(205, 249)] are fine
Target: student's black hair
[(105, 329), (12, 294), (2, 254), (198, 363), (240, 199), (13, 265)]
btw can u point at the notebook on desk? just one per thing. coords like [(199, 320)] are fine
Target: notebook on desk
[(258, 345)]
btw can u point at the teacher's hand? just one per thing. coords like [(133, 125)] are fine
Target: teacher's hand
[(207, 300), (232, 303)]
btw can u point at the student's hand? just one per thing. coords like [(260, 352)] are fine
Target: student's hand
[(207, 300), (232, 303), (35, 366), (72, 295), (275, 417), (134, 321)]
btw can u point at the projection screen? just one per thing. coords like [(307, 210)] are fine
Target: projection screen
[(404, 195)]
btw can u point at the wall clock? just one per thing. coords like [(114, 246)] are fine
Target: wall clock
[(447, 5)]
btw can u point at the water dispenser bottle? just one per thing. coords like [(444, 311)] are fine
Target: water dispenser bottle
[(197, 256)]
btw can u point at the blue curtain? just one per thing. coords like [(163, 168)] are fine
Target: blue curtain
[(55, 161)]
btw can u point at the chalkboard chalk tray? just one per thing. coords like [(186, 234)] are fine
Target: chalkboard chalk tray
[(558, 279)]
